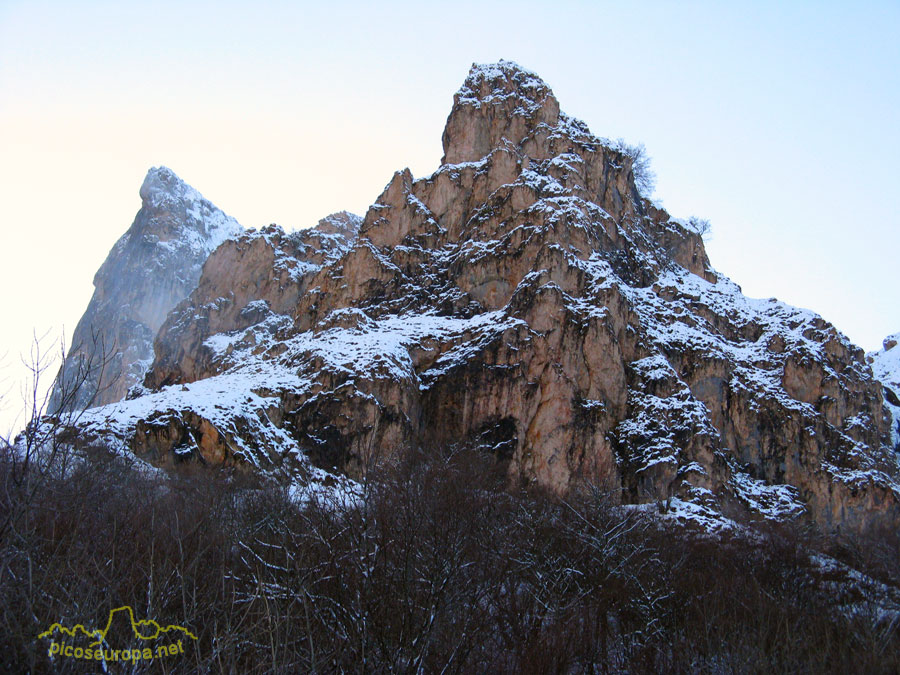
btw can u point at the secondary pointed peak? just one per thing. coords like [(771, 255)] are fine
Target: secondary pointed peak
[(162, 185)]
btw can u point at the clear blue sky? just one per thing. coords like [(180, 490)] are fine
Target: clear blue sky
[(776, 121)]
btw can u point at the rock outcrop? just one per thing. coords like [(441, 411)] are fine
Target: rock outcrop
[(524, 299), (154, 266)]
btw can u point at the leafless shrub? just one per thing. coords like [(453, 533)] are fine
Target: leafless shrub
[(40, 451), (644, 176), (700, 225)]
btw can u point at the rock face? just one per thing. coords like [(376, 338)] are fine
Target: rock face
[(524, 299), (886, 367), (155, 265)]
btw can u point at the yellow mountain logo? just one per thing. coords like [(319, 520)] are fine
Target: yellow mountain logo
[(142, 629)]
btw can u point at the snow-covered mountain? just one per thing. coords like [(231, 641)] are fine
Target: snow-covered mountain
[(527, 300), (152, 267)]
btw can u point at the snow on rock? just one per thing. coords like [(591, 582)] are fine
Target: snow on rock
[(198, 226), (152, 267)]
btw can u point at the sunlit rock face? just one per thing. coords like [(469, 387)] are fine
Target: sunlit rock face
[(526, 300), (155, 265)]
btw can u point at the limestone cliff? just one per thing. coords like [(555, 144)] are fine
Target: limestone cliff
[(524, 299), (155, 265)]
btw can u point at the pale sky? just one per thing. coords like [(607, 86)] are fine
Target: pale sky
[(776, 121)]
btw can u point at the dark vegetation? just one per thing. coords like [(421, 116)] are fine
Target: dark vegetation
[(438, 568)]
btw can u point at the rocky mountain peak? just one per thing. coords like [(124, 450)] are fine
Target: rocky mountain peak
[(497, 101), (495, 83), (151, 268), (162, 185), (512, 159), (176, 213)]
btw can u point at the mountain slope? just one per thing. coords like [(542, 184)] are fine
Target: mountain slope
[(524, 299)]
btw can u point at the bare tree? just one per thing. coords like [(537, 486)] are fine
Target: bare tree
[(700, 225), (40, 448), (644, 176)]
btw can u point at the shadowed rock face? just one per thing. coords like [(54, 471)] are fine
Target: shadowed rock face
[(526, 300), (155, 264)]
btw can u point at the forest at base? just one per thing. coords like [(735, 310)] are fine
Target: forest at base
[(438, 566)]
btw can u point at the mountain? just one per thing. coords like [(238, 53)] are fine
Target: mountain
[(151, 268), (527, 300), (886, 367)]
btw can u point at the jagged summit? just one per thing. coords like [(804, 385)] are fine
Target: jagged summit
[(509, 150), (489, 81), (496, 101), (152, 267), (180, 215), (162, 186), (524, 299)]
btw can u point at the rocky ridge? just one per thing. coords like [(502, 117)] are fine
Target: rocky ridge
[(149, 270), (524, 299)]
